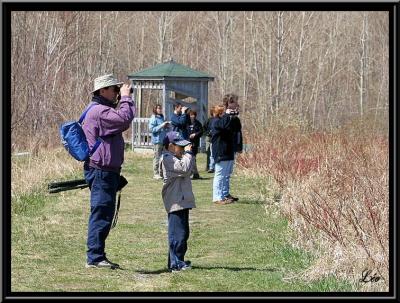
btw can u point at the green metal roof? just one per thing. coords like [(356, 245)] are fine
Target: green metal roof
[(169, 69)]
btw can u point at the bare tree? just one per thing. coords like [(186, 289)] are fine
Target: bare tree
[(325, 67), (363, 62)]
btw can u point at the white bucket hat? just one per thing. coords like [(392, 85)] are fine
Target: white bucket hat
[(105, 81)]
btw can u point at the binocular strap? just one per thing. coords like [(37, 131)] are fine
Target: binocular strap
[(115, 219)]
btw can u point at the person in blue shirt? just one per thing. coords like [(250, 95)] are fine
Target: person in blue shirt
[(180, 120), (158, 128)]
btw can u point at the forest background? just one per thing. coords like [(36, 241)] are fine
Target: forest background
[(323, 69)]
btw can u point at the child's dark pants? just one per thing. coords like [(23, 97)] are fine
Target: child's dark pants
[(178, 234)]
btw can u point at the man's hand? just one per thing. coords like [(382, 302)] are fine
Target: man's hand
[(125, 90), (184, 109), (191, 136)]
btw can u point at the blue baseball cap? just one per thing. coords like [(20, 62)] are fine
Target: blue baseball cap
[(175, 138)]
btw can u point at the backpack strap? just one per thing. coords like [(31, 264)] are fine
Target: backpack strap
[(95, 146), (85, 112), (99, 140)]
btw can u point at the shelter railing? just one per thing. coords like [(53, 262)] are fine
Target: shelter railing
[(141, 135)]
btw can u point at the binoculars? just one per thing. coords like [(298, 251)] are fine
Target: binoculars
[(119, 94)]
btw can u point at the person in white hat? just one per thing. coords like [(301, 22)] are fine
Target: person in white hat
[(103, 125), (102, 87)]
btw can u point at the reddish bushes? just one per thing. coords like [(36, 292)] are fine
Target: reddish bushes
[(287, 157), (335, 194)]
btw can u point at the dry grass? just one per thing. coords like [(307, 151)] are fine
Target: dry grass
[(334, 191), (30, 173)]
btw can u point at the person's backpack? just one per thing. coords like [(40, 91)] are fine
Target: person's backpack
[(74, 140)]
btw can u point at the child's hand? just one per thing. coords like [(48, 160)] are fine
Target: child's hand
[(188, 147)]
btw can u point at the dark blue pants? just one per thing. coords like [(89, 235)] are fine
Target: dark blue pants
[(103, 188), (178, 234)]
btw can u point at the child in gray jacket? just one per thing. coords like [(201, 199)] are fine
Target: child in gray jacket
[(176, 167)]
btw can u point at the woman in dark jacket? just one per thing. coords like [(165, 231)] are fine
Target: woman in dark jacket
[(195, 131), (223, 145), (230, 101)]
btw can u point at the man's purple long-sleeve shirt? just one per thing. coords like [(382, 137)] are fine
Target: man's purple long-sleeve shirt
[(109, 123)]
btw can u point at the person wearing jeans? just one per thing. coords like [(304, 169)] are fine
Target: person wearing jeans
[(106, 120), (103, 188), (211, 166), (223, 171), (224, 127), (230, 102)]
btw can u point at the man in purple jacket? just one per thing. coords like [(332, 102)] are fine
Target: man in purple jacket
[(105, 122)]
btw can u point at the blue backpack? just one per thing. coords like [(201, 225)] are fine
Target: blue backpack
[(74, 140)]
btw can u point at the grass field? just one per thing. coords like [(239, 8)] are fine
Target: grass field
[(242, 247)]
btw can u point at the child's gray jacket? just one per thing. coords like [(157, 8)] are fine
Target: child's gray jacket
[(177, 190)]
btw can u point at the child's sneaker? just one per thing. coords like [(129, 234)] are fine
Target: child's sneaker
[(187, 266)]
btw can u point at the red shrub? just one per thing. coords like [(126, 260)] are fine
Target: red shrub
[(335, 184)]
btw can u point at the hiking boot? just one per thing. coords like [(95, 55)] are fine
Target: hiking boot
[(228, 200), (224, 201), (232, 197), (102, 264), (196, 177), (211, 171)]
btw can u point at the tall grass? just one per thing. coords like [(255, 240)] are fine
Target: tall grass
[(30, 175), (334, 191)]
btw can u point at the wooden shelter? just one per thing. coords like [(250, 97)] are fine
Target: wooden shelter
[(177, 83)]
